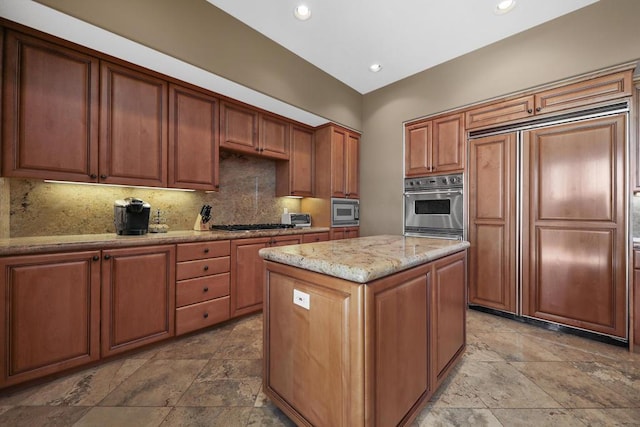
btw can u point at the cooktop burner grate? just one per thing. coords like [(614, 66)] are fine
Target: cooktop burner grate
[(249, 227)]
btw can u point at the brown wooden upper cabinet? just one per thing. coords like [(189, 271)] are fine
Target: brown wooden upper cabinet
[(579, 94), (435, 145), (69, 116), (50, 104), (246, 130), (337, 152), (295, 177), (133, 127), (193, 139)]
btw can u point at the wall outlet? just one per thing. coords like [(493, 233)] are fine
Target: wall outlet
[(301, 298)]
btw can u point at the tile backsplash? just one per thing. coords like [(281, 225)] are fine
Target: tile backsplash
[(247, 195)]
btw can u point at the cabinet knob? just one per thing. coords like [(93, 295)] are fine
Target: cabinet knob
[(257, 149), (103, 176), (206, 267), (206, 250), (217, 186), (538, 108), (107, 256), (93, 176), (95, 258), (529, 111), (206, 289), (205, 315), (261, 150)]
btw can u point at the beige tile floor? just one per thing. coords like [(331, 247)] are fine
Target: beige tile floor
[(511, 375)]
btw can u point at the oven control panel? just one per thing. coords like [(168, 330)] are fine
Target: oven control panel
[(433, 182)]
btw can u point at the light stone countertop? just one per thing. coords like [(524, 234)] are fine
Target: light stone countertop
[(366, 258), (45, 244)]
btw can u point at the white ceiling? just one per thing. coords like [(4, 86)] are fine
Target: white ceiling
[(344, 37)]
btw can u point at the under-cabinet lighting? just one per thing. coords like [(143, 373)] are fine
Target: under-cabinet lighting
[(293, 197), (142, 187)]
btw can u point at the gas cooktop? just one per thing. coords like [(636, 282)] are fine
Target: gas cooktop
[(250, 227)]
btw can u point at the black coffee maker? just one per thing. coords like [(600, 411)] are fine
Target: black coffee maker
[(131, 216)]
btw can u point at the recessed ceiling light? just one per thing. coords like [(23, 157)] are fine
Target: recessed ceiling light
[(302, 12), (504, 6), (375, 68)]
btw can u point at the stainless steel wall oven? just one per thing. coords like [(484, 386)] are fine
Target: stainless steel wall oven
[(434, 206)]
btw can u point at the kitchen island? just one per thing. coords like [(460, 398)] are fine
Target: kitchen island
[(361, 332)]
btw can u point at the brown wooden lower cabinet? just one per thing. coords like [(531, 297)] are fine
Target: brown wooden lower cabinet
[(138, 297), (338, 233), (247, 271), (50, 316), (202, 287), (362, 354), (635, 314), (315, 237), (449, 314)]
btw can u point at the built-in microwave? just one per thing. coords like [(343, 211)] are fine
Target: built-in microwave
[(345, 212)]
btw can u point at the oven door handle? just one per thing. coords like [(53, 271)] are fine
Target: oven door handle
[(444, 192)]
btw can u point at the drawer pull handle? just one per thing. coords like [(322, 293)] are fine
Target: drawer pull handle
[(206, 267), (206, 289), (205, 315), (206, 250)]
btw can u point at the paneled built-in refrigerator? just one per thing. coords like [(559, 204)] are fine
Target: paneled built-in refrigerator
[(547, 220)]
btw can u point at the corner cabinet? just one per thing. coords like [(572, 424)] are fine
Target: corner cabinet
[(51, 111), (50, 316), (247, 271), (435, 145), (337, 161), (138, 297), (193, 139)]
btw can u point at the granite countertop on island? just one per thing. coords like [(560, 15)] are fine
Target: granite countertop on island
[(366, 258)]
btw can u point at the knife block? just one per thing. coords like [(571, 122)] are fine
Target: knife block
[(199, 225)]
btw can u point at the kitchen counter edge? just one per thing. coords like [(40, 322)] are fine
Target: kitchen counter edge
[(46, 244), (364, 259)]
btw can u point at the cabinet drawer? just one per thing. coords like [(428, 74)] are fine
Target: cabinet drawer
[(201, 250), (315, 237), (636, 259), (202, 289), (201, 315), (205, 267)]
